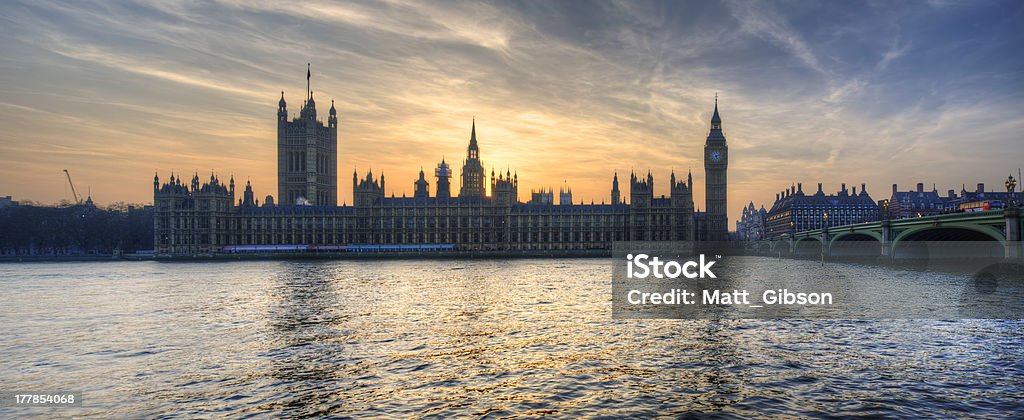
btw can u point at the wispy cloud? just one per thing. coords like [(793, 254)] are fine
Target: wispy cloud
[(762, 19), (895, 51), (561, 91)]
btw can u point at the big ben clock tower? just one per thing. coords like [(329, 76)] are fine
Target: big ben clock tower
[(716, 163)]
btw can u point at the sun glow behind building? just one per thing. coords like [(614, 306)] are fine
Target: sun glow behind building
[(860, 93)]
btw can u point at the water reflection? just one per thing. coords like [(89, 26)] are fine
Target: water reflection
[(500, 338)]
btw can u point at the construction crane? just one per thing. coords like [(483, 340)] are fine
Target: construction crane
[(72, 184)]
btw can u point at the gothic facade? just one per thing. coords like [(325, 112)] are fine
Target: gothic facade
[(208, 218), (307, 155), (751, 226)]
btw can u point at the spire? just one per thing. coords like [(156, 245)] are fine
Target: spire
[(716, 120), (474, 149), (472, 134), (309, 74)]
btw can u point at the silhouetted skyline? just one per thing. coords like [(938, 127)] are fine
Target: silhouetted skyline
[(813, 92)]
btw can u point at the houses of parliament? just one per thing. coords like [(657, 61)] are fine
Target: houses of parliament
[(194, 217)]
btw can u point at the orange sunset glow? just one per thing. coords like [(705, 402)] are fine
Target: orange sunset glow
[(114, 94)]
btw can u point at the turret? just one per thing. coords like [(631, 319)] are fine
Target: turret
[(443, 173), (421, 186), (616, 196), (332, 120), (248, 198), (641, 191), (282, 110)]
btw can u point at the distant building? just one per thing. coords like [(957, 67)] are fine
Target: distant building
[(919, 203), (751, 226), (7, 201), (994, 199), (794, 211)]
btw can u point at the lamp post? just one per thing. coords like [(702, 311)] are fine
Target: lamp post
[(1011, 186), (1014, 247), (824, 238)]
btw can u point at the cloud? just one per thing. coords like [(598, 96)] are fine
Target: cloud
[(561, 91), (895, 51), (763, 20)]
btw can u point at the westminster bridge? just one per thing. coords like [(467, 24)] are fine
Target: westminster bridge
[(989, 233)]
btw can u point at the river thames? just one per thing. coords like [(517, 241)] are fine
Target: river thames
[(412, 338)]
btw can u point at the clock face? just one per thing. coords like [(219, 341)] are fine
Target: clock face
[(716, 156)]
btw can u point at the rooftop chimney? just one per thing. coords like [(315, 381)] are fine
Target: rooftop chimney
[(893, 189), (819, 188), (863, 188), (981, 187), (920, 187), (854, 190), (800, 187), (952, 194)]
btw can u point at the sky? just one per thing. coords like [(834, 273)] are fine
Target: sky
[(563, 92)]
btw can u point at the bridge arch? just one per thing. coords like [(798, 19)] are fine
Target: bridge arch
[(780, 245), (809, 246), (857, 235), (951, 232), (857, 244), (965, 241)]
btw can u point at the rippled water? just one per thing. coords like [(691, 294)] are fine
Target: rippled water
[(444, 338)]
